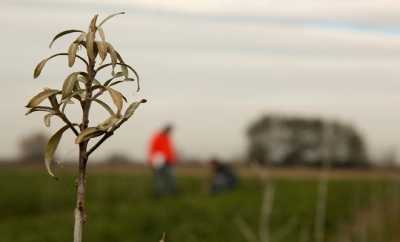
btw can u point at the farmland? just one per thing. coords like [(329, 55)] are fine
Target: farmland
[(121, 207)]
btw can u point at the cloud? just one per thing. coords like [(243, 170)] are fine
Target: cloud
[(213, 66)]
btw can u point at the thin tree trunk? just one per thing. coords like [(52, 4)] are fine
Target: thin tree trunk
[(80, 214)]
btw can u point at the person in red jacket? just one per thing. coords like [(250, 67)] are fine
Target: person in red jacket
[(162, 159)]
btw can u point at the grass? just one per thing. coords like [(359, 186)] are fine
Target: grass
[(35, 208)]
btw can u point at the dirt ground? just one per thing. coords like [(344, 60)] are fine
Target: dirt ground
[(203, 169)]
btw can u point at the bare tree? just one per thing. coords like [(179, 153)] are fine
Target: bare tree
[(85, 88)]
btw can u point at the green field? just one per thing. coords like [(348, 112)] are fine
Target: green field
[(35, 208)]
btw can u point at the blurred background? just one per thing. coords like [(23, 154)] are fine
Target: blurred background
[(298, 98)]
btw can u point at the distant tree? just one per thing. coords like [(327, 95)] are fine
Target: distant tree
[(85, 88), (295, 140), (117, 158), (32, 147)]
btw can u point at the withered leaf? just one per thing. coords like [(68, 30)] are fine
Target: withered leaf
[(132, 108), (41, 96), (73, 48), (46, 119), (102, 47), (51, 147), (108, 17), (39, 68), (87, 134), (117, 98), (105, 106), (90, 38), (108, 123), (64, 33), (69, 83)]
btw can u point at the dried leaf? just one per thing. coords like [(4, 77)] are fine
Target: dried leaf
[(108, 17), (64, 33), (46, 119), (39, 68), (51, 148), (120, 57), (102, 47), (133, 70), (101, 33), (41, 64), (122, 64), (39, 108), (163, 238), (87, 134), (132, 108), (80, 38), (113, 54), (125, 71), (117, 98), (90, 38), (92, 26), (105, 106), (108, 123), (73, 48), (41, 96), (69, 84), (125, 80)]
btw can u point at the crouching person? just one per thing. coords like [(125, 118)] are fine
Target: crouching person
[(223, 179)]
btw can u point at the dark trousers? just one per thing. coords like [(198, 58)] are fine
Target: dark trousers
[(164, 180)]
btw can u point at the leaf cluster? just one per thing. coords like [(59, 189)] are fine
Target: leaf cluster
[(84, 88)]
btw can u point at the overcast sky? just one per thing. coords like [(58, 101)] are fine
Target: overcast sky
[(211, 67)]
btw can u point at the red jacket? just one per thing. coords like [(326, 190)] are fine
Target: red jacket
[(161, 144)]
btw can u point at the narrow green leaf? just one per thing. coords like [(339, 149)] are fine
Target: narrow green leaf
[(105, 106), (108, 17), (51, 147), (132, 108), (41, 96), (64, 33), (69, 84), (87, 134)]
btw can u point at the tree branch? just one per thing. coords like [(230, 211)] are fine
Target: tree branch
[(106, 136), (101, 141), (66, 120)]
